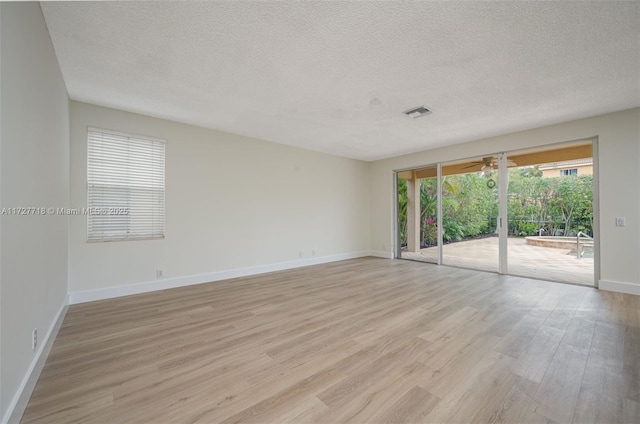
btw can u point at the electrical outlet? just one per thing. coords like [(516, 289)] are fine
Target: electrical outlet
[(384, 247), (620, 221), (313, 253), (34, 339), (159, 273), (300, 254)]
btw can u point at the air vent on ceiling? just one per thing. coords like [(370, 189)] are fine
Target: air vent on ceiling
[(417, 112)]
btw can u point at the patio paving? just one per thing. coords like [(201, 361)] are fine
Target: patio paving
[(546, 263)]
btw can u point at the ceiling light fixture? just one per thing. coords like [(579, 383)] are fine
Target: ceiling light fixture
[(417, 112)]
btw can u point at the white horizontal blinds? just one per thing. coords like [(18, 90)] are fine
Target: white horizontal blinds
[(125, 191)]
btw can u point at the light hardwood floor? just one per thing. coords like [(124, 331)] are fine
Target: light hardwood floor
[(363, 341)]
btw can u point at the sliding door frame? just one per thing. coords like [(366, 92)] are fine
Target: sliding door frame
[(439, 213), (503, 189), (596, 211), (503, 213)]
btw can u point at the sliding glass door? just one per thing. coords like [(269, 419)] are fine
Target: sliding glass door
[(550, 211), (417, 214), (527, 213), (470, 213)]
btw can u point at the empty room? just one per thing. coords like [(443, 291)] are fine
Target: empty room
[(320, 212)]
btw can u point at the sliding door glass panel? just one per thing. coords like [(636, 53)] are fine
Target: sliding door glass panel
[(470, 213), (417, 214), (550, 214)]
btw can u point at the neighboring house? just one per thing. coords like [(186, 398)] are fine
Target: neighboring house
[(569, 167)]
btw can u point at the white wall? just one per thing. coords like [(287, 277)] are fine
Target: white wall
[(1, 384), (231, 203), (34, 171), (619, 145)]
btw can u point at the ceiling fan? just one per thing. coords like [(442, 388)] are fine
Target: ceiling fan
[(488, 164)]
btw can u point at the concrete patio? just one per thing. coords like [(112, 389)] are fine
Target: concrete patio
[(545, 263)]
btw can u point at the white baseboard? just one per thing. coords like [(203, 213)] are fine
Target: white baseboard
[(21, 399), (170, 283), (620, 287), (381, 254)]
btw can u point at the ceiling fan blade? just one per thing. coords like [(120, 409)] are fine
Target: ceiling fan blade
[(510, 163), (473, 165), (489, 162)]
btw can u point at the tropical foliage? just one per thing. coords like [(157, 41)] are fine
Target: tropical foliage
[(559, 206)]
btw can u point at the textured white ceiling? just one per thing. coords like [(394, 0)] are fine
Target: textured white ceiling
[(336, 76)]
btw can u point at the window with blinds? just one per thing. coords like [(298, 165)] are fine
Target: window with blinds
[(125, 187)]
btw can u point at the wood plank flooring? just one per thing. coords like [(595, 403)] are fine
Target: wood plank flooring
[(364, 341)]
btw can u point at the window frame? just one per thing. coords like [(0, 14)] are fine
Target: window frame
[(569, 172), (92, 235)]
